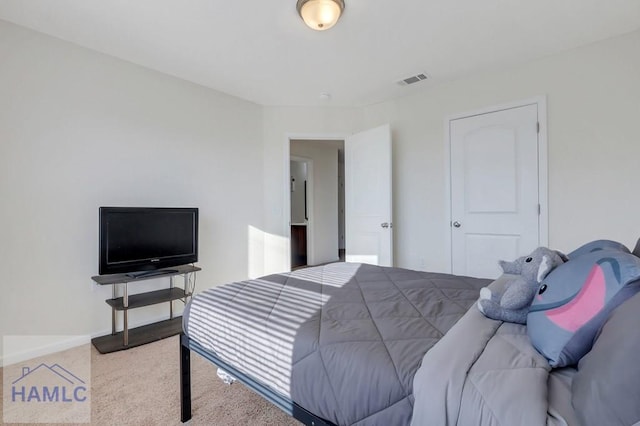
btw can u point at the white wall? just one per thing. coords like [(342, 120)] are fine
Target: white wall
[(324, 219), (280, 124), (79, 130), (593, 100)]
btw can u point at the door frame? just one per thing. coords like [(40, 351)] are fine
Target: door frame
[(287, 189), (543, 168)]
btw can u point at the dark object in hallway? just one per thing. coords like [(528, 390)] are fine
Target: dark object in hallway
[(298, 245)]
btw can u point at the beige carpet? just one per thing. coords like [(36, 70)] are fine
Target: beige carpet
[(140, 386)]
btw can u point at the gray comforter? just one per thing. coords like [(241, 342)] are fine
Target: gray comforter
[(487, 373), (342, 340)]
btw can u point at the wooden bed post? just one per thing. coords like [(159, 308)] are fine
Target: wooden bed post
[(185, 379)]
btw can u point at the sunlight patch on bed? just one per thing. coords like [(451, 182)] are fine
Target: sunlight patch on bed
[(246, 322)]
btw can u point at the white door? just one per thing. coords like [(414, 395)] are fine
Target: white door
[(368, 223), (494, 189)]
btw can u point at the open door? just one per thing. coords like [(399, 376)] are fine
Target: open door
[(368, 197)]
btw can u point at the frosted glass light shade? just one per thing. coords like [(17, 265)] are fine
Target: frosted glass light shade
[(320, 14)]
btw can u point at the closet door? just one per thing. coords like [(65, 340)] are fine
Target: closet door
[(495, 202)]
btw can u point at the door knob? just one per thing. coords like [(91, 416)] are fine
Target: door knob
[(457, 224), (385, 225)]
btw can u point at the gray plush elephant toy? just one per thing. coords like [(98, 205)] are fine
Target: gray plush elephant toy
[(512, 305)]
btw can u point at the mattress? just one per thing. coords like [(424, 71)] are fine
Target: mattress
[(342, 340)]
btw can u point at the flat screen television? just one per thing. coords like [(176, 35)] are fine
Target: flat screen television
[(141, 240)]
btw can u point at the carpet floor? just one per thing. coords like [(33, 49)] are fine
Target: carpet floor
[(140, 386)]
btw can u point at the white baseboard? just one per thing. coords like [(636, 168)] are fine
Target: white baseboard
[(59, 345), (63, 343)]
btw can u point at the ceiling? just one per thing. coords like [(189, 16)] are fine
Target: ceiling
[(261, 50)]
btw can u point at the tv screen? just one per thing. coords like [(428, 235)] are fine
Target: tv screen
[(141, 239)]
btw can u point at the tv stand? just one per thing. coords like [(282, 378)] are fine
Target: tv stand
[(129, 338)]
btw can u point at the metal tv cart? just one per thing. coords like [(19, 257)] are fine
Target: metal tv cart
[(129, 338)]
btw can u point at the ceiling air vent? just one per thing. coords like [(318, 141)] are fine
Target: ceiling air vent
[(413, 79)]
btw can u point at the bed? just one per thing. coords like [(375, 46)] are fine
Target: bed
[(357, 344)]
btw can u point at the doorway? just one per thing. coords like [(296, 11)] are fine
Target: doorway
[(368, 233), (299, 169), (316, 180)]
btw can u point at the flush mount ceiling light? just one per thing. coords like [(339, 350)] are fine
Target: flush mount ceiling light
[(320, 14)]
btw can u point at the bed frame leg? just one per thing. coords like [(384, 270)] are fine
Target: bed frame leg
[(185, 379)]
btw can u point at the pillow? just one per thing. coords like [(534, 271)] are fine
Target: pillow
[(598, 245), (575, 299), (606, 388)]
